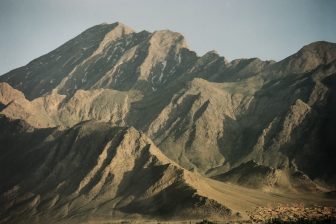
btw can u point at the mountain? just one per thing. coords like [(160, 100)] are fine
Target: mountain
[(260, 124), (104, 56), (95, 171), (120, 171), (309, 57)]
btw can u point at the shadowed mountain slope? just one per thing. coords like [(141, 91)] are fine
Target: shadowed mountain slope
[(94, 168)]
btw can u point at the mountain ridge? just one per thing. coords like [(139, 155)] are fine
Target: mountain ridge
[(113, 32)]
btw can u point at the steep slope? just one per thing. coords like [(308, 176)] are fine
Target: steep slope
[(194, 121), (216, 126), (93, 170), (308, 58), (105, 56), (46, 72)]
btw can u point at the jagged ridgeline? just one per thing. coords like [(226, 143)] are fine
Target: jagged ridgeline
[(67, 149)]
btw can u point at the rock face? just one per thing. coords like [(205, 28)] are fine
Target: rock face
[(94, 169), (205, 113)]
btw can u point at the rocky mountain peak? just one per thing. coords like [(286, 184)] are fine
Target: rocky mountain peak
[(118, 30), (168, 37), (309, 57), (9, 94), (320, 48)]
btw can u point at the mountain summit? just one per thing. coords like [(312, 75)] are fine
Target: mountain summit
[(310, 57)]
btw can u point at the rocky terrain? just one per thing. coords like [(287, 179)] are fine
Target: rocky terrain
[(94, 168), (74, 127), (293, 214)]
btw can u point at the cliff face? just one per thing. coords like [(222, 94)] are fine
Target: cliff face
[(203, 112)]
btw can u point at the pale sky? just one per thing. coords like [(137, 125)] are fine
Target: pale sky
[(267, 29)]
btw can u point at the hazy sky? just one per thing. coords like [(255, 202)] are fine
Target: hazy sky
[(267, 29)]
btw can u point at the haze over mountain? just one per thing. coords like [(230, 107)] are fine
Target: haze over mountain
[(69, 149)]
